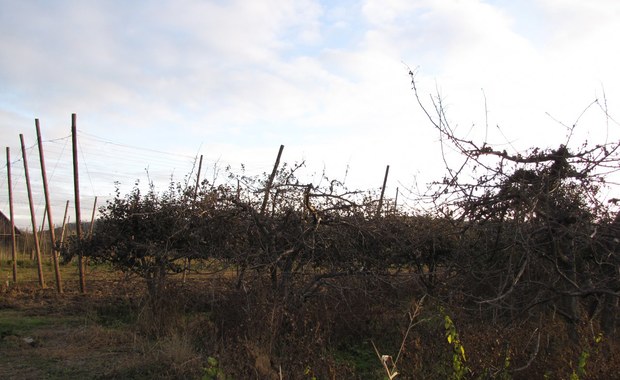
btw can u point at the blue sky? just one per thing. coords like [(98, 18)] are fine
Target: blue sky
[(235, 79)]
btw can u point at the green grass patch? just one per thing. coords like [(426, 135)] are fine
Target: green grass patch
[(13, 322), (361, 357)]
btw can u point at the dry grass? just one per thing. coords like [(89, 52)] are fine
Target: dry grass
[(110, 333), (93, 336)]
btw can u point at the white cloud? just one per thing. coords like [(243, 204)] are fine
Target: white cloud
[(480, 46), (328, 81)]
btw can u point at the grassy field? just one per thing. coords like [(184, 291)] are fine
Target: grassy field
[(44, 335)]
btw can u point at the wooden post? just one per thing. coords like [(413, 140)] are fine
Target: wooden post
[(198, 178), (64, 224), (270, 181), (48, 208), (11, 216), (33, 218), (387, 171), (92, 220), (41, 230), (76, 188), (187, 266), (396, 201)]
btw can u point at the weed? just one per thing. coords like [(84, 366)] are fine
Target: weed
[(581, 366), (212, 371), (389, 364), (309, 373), (459, 367), (580, 371), (505, 372)]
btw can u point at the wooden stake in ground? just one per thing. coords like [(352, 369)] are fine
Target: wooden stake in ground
[(187, 266), (76, 187), (198, 178), (92, 220), (270, 181), (387, 171), (11, 216), (48, 208), (64, 224), (396, 201), (41, 230), (33, 218)]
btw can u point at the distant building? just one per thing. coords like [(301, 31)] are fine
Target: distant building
[(5, 228)]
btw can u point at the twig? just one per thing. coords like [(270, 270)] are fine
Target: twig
[(529, 362), (412, 317), (385, 359)]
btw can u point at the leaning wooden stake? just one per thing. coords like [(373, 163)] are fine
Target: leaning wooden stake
[(64, 224), (33, 218), (11, 216), (270, 181), (76, 187), (387, 171), (396, 201), (92, 220), (198, 178), (41, 230), (48, 208)]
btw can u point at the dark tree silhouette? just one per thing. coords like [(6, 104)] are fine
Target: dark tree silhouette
[(529, 220)]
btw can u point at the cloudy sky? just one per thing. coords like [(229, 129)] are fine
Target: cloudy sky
[(157, 83)]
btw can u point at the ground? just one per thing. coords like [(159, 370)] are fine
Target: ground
[(44, 335)]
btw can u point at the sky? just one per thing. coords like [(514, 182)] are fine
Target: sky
[(154, 84)]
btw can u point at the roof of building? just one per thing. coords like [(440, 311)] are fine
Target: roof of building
[(5, 221)]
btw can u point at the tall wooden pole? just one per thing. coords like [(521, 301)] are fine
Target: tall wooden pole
[(387, 171), (270, 181), (187, 260), (76, 187), (11, 216), (48, 208), (33, 218)]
